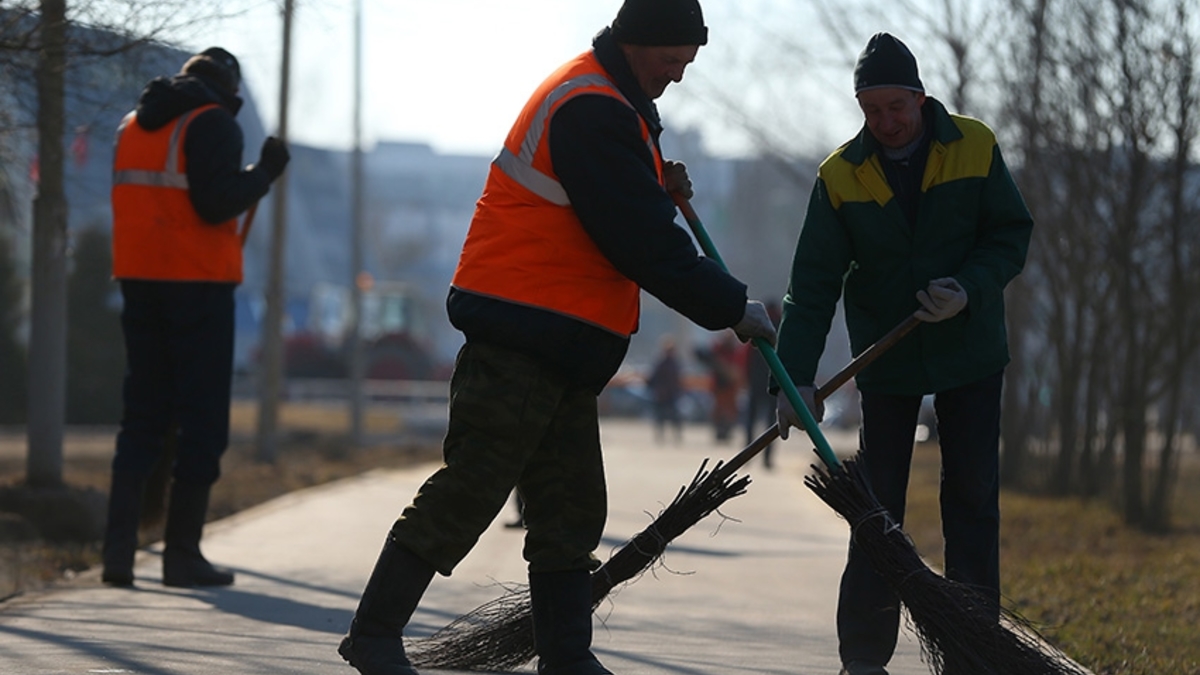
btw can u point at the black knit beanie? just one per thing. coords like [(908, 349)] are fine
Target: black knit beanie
[(660, 23), (886, 62), (216, 65)]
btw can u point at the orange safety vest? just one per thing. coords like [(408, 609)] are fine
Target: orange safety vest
[(526, 244), (157, 234)]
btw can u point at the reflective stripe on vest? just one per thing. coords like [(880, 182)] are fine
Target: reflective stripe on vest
[(170, 176), (526, 245), (520, 167), (157, 234)]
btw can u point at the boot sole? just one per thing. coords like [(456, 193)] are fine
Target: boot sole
[(346, 651)]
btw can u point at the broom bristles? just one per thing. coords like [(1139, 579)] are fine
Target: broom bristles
[(498, 635), (961, 629)]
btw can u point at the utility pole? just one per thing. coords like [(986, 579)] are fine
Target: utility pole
[(271, 376), (357, 277), (48, 315)]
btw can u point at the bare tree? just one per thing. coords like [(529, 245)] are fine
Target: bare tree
[(1179, 54), (1093, 103), (1106, 115), (42, 33)]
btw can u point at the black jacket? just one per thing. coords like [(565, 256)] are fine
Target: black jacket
[(609, 175), (218, 186)]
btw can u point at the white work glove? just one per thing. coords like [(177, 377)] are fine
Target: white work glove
[(943, 299), (787, 417), (675, 177), (755, 323)]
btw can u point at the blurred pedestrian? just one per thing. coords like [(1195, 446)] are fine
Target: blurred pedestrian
[(917, 212), (723, 360), (666, 387), (574, 222), (178, 188)]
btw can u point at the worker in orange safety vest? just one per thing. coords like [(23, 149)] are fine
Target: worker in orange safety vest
[(574, 222), (178, 188)]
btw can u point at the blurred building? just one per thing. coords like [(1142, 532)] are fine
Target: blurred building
[(418, 206)]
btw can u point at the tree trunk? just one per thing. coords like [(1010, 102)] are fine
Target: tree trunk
[(48, 315), (1014, 421), (1134, 432), (1158, 510), (272, 366), (1089, 469)]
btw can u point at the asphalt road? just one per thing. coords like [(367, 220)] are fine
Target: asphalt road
[(752, 592)]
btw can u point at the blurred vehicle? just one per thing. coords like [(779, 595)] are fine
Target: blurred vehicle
[(392, 330), (628, 396)]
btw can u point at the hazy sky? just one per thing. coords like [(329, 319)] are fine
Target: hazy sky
[(453, 73)]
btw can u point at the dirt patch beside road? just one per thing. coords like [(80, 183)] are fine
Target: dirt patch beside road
[(314, 449)]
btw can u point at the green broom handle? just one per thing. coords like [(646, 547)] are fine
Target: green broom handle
[(781, 375), (823, 392)]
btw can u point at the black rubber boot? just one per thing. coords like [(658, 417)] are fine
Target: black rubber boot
[(121, 527), (562, 623), (183, 564), (374, 645)]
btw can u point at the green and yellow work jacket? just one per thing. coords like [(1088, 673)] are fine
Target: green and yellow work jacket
[(972, 224)]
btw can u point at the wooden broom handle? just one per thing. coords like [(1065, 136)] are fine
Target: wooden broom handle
[(842, 377), (248, 221)]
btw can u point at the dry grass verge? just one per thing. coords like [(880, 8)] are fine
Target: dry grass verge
[(1119, 601)]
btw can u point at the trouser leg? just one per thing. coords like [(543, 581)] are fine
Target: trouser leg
[(868, 615), (146, 400), (969, 434), (121, 527), (563, 484), (201, 356), (502, 404)]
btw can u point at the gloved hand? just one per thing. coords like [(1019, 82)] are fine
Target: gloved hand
[(676, 178), (273, 157), (787, 417), (943, 299), (755, 323)]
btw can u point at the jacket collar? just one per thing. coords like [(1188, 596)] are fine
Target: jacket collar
[(610, 56), (945, 131)]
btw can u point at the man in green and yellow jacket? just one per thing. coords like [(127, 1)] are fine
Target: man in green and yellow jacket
[(917, 214)]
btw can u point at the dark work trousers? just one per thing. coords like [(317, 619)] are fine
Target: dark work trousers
[(514, 422), (968, 421), (179, 355)]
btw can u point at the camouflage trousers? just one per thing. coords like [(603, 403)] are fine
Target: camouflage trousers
[(513, 423)]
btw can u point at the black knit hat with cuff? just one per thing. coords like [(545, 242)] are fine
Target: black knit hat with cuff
[(886, 62), (660, 23), (216, 65)]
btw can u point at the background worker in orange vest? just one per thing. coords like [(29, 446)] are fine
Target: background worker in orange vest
[(178, 188), (574, 221)]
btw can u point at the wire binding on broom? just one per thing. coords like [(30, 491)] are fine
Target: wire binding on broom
[(961, 630), (498, 635)]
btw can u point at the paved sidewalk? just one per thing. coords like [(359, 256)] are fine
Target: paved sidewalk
[(753, 595)]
